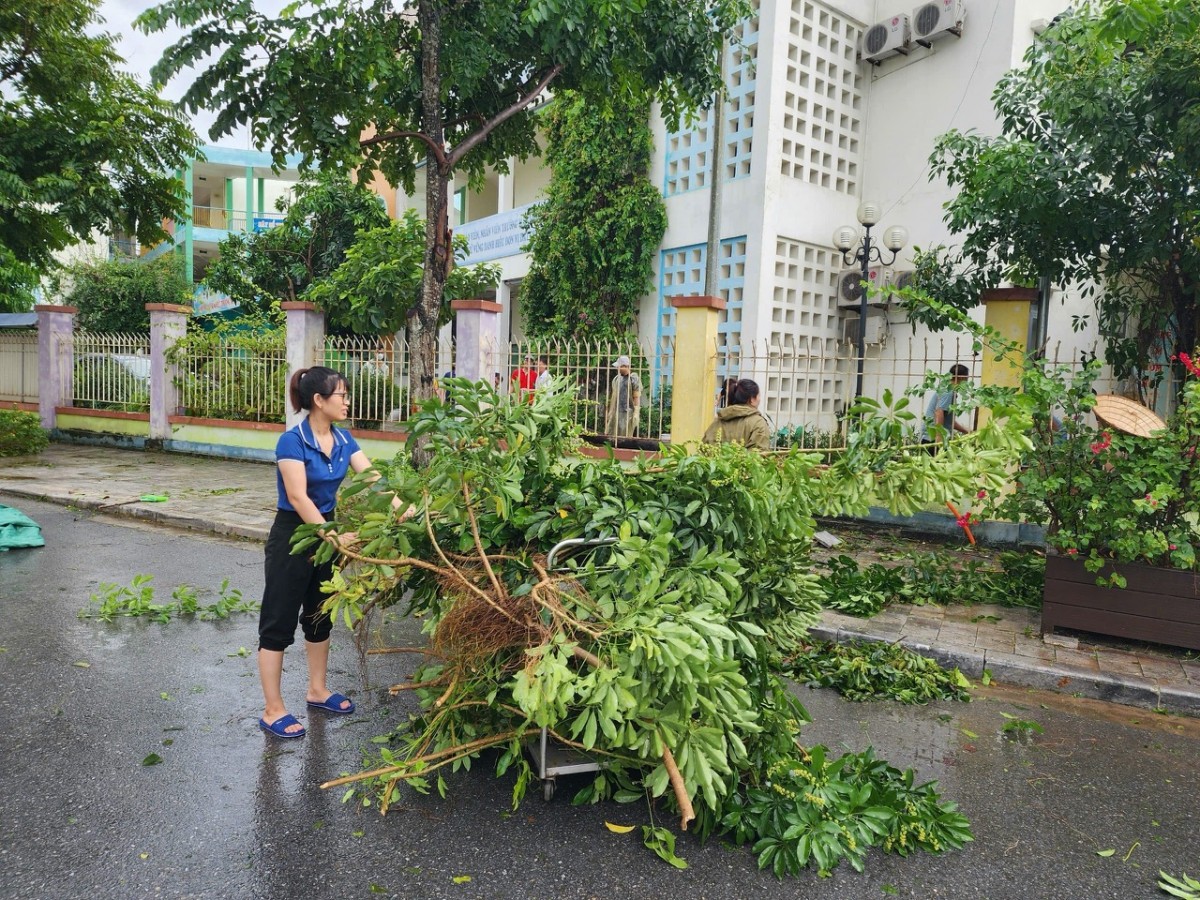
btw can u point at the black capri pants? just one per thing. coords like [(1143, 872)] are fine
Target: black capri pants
[(292, 591)]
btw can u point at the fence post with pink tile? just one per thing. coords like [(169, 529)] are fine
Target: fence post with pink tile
[(477, 338), (168, 323), (56, 325), (305, 345)]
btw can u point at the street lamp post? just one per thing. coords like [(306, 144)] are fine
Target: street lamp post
[(845, 239)]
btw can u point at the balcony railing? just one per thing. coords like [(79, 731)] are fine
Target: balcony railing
[(219, 217)]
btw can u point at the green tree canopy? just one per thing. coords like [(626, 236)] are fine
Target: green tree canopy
[(379, 283), (1095, 175), (111, 295), (17, 283), (595, 237), (320, 223), (83, 145), (457, 78)]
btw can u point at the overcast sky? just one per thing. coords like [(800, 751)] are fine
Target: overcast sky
[(142, 51)]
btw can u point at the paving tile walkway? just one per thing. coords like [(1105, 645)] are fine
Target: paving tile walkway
[(237, 498)]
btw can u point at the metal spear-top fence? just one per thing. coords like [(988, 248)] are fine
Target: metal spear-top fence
[(378, 378), (807, 386), (110, 371), (591, 367), (19, 367), (230, 374)]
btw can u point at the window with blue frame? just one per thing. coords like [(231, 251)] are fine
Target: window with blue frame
[(689, 156)]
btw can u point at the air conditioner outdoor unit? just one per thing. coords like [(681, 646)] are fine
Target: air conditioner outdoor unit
[(850, 286), (886, 38), (900, 281), (936, 19), (876, 329)]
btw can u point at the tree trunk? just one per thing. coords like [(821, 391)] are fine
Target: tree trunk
[(438, 252)]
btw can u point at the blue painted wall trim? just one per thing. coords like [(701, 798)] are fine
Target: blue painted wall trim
[(98, 439), (990, 534), (222, 451)]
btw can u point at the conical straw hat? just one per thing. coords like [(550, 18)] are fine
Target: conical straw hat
[(1123, 414)]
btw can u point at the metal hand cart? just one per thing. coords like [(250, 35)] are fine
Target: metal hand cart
[(551, 759)]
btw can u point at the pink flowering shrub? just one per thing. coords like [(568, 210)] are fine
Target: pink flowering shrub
[(1105, 496)]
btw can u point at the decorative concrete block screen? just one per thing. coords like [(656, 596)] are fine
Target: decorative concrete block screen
[(808, 384), (822, 98), (689, 151), (681, 272), (804, 292)]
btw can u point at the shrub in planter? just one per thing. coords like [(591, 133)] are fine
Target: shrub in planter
[(21, 433), (1109, 498), (1121, 512)]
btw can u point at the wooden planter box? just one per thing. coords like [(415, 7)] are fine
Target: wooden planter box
[(1157, 605)]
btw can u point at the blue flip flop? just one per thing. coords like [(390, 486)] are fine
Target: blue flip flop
[(279, 726), (333, 703)]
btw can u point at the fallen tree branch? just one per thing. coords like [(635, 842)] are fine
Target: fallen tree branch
[(686, 812)]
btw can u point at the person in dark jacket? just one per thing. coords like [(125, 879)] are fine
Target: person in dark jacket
[(741, 422)]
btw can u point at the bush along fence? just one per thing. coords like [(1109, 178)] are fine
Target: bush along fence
[(223, 391)]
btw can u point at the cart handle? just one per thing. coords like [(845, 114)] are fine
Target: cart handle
[(576, 542)]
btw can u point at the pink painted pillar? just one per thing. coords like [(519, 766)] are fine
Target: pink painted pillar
[(168, 323), (477, 338), (305, 344), (56, 324)]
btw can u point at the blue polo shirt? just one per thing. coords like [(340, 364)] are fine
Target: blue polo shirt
[(323, 473)]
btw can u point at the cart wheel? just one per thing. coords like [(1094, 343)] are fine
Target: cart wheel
[(548, 789)]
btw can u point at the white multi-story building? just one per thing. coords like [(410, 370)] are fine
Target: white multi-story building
[(815, 123)]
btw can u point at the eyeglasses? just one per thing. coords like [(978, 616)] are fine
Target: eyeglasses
[(338, 394)]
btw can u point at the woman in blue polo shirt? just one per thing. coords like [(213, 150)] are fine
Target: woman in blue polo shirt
[(312, 459)]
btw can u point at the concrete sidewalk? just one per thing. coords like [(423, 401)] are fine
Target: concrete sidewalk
[(237, 499)]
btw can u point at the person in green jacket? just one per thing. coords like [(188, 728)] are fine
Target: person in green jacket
[(741, 422)]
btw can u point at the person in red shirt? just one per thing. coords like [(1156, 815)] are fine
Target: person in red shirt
[(525, 378)]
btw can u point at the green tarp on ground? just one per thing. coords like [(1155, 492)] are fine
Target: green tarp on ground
[(18, 530)]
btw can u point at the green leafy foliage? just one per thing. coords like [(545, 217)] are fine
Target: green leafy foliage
[(934, 577), (84, 145), (857, 591), (1015, 726), (18, 281), (1093, 176), (883, 465), (21, 433), (875, 671), (373, 290), (807, 439), (232, 369), (943, 578), (1183, 887), (321, 222), (111, 295), (137, 600), (812, 810), (593, 240), (452, 86), (660, 647), (1107, 496)]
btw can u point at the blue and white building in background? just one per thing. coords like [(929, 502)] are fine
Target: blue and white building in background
[(816, 121)]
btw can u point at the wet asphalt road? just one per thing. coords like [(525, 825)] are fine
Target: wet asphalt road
[(229, 813)]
